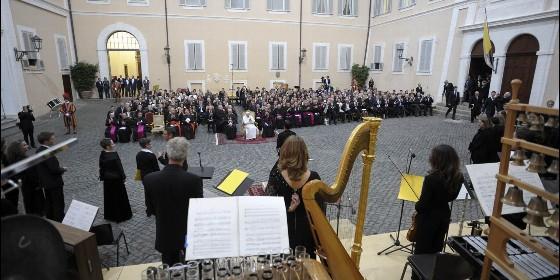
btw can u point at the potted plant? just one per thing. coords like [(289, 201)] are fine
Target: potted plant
[(360, 74), (83, 76)]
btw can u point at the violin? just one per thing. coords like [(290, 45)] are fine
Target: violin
[(411, 234)]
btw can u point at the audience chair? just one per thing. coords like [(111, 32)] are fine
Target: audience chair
[(149, 119), (439, 266), (105, 235), (158, 124)]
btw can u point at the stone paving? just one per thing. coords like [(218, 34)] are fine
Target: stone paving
[(325, 143)]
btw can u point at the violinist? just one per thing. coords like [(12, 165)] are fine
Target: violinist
[(441, 186)]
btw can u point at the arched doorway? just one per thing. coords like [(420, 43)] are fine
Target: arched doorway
[(123, 54), (478, 69), (521, 60)]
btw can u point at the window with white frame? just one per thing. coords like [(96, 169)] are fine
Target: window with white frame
[(377, 58), (27, 44), (62, 51), (381, 7), (278, 5), (238, 55), (137, 2), (320, 56), (322, 7), (194, 55), (237, 4), (406, 3), (192, 3), (425, 54), (397, 61), (99, 1), (278, 55), (348, 7), (344, 57)]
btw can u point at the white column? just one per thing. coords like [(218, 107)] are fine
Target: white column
[(540, 78), (14, 95), (103, 63), (497, 77), (447, 56), (464, 64), (144, 62)]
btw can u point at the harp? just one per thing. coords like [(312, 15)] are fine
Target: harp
[(329, 247)]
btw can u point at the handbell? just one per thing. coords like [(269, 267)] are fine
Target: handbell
[(551, 122), (553, 168), (518, 158), (552, 233), (514, 197), (553, 220), (537, 164), (534, 220), (522, 118), (537, 207)]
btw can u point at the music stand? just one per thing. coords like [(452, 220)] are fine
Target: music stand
[(396, 240)]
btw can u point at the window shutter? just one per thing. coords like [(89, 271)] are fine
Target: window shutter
[(234, 56), (62, 53), (377, 55), (228, 4), (190, 56), (274, 50), (246, 4), (397, 62), (388, 4), (28, 45), (330, 7), (242, 53), (286, 5), (198, 56), (281, 50), (182, 2), (269, 5), (377, 7), (340, 7), (354, 7), (203, 3), (314, 6), (426, 53)]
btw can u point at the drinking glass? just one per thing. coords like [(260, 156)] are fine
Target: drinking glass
[(163, 272), (301, 258), (192, 269), (149, 273), (287, 252), (207, 269), (236, 268), (299, 249)]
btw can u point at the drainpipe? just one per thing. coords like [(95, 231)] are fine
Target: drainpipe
[(72, 28), (367, 36), (167, 56)]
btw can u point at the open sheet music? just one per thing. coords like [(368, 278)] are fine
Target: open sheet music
[(236, 226), (483, 178)]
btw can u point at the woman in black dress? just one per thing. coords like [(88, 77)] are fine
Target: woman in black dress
[(33, 196), (115, 198), (440, 186), (288, 180), (483, 146)]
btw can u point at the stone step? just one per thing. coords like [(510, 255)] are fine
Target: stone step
[(462, 112), (8, 123)]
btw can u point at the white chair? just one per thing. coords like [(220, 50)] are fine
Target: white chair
[(159, 124)]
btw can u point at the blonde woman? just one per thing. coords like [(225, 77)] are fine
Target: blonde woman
[(287, 181)]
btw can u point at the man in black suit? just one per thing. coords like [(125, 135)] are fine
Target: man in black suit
[(132, 86), (453, 100), (490, 105), (139, 84), (123, 85), (50, 174), (26, 120), (476, 105), (106, 87), (99, 86), (146, 162), (167, 195)]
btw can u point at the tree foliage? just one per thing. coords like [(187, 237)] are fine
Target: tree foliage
[(83, 75), (360, 73)]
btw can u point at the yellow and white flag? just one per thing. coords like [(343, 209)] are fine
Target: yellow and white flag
[(487, 44)]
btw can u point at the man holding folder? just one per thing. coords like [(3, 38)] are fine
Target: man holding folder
[(167, 197)]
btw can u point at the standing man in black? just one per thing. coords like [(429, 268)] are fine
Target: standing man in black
[(167, 196), (490, 105), (99, 86), (452, 101), (26, 120), (106, 87), (146, 162), (132, 85), (146, 84), (476, 105), (447, 91), (50, 175)]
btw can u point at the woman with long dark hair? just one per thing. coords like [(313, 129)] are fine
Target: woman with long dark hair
[(441, 186)]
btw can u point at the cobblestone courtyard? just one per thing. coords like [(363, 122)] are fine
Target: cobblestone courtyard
[(396, 137)]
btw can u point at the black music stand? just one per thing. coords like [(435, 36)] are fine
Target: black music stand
[(396, 240), (201, 171)]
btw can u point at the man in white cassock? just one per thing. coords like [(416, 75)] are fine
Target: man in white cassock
[(250, 128)]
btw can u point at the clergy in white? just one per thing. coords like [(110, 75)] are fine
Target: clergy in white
[(249, 125)]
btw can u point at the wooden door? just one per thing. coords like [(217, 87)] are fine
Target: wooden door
[(67, 86), (521, 61)]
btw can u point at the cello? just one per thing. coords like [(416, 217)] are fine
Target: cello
[(411, 234)]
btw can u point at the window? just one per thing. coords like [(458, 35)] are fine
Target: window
[(322, 7), (238, 55), (381, 7), (137, 2), (377, 58), (278, 55), (347, 7), (62, 52), (320, 56), (397, 62), (237, 4), (406, 3), (194, 57), (26, 36), (278, 5), (192, 3), (425, 65), (344, 57), (99, 1)]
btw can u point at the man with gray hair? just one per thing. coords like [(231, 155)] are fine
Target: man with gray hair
[(167, 197)]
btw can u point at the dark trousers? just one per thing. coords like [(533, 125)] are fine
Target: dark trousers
[(54, 203), (474, 114), (171, 258), (107, 93), (100, 92), (28, 137), (34, 201), (451, 107)]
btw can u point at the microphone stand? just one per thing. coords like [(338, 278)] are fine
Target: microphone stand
[(200, 162), (396, 242)]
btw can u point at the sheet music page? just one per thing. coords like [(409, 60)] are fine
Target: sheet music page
[(212, 229), (483, 178), (263, 225), (80, 215)]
